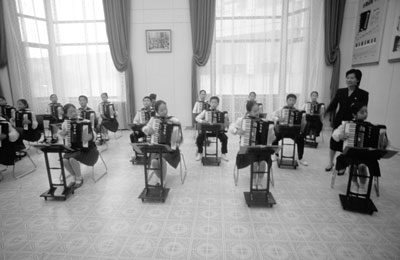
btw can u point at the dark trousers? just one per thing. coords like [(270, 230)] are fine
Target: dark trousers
[(299, 140), (315, 127), (136, 135), (221, 136)]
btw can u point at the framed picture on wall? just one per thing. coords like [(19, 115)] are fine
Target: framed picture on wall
[(158, 41), (369, 31), (394, 48)]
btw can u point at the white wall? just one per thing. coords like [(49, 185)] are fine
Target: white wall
[(167, 74), (382, 81)]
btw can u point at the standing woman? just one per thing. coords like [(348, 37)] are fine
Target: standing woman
[(344, 98)]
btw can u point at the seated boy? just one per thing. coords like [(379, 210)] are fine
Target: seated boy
[(200, 118)]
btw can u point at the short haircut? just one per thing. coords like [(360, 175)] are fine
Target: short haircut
[(291, 96), (158, 104), (314, 92), (250, 104), (153, 96), (355, 107), (52, 95), (202, 91), (23, 101), (146, 97), (252, 92), (214, 97), (357, 73), (68, 106), (83, 96), (104, 93)]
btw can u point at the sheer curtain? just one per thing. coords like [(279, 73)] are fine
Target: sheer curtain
[(66, 52), (270, 47)]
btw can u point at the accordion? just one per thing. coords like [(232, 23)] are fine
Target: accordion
[(109, 110), (75, 134), (215, 117), (291, 116), (256, 131), (88, 115), (144, 116), (3, 129), (202, 105), (20, 116), (56, 111), (313, 108), (166, 133), (365, 135), (7, 111)]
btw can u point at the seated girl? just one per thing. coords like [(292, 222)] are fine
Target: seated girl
[(8, 137), (27, 126), (360, 114), (87, 156), (174, 157), (252, 112), (108, 119)]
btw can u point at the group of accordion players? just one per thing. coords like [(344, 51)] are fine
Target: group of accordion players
[(80, 128)]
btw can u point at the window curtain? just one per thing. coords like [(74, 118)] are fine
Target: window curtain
[(17, 66), (61, 47), (3, 54), (117, 17), (334, 11), (202, 18), (270, 47)]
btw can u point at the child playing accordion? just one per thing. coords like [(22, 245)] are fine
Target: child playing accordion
[(346, 132), (81, 140), (248, 128), (161, 133), (108, 116), (142, 117)]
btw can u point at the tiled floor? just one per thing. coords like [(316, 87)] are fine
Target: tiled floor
[(206, 218)]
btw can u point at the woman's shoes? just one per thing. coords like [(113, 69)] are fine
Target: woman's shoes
[(329, 168)]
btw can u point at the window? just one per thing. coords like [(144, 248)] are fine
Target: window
[(67, 49), (260, 46)]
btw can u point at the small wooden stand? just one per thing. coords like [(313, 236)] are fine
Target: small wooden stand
[(67, 190)]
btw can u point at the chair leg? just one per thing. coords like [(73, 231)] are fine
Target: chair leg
[(235, 175), (1, 173), (27, 172), (103, 174), (334, 173), (272, 177), (183, 176), (376, 185)]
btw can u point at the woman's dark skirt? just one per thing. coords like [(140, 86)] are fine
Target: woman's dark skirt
[(7, 153), (88, 157), (110, 124), (172, 158)]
